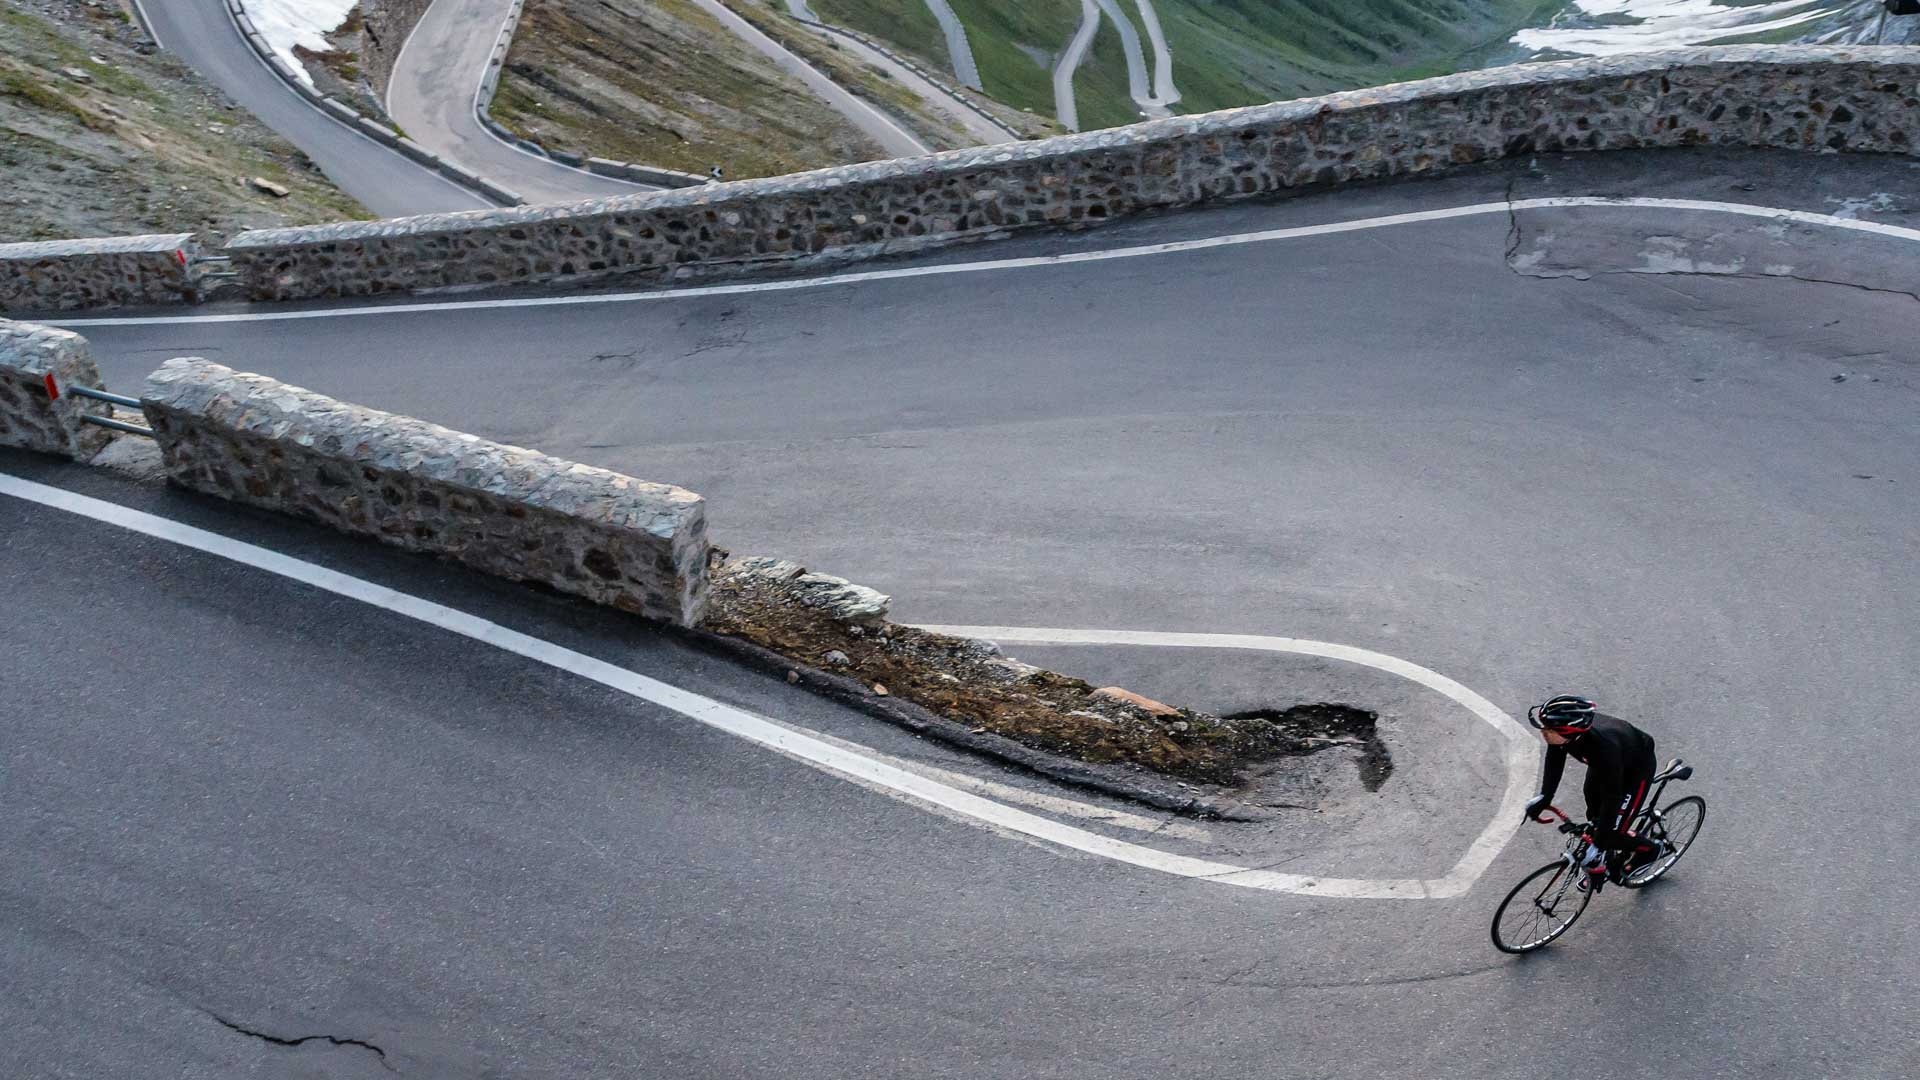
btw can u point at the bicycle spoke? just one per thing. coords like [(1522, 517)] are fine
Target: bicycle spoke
[(1675, 828), (1531, 917)]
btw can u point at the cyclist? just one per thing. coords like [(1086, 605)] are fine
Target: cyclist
[(1620, 762)]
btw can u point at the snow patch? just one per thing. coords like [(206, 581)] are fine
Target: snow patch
[(306, 23), (1612, 27), (1879, 202)]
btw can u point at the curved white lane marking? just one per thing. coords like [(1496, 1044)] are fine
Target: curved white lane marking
[(1521, 749), (1802, 217), (829, 756)]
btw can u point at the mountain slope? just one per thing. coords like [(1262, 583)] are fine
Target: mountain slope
[(101, 136), (1225, 53)]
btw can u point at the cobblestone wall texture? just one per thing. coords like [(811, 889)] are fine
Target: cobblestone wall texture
[(32, 419), (513, 513), (62, 275), (1811, 98)]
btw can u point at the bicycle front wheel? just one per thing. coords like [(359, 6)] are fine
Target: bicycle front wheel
[(1539, 909), (1673, 828)]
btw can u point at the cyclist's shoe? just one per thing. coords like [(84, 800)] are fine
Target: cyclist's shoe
[(1646, 857), (1591, 881)]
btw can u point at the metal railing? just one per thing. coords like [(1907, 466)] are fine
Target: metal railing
[(108, 421)]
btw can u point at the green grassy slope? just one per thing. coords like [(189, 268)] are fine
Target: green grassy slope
[(1243, 52), (906, 24), (1226, 52)]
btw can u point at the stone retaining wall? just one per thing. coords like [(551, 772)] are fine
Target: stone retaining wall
[(31, 416), (119, 271), (513, 513), (1808, 98)]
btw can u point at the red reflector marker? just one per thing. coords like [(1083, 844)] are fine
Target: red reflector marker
[(180, 255), (53, 388)]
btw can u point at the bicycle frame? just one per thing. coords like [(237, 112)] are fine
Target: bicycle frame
[(1649, 811)]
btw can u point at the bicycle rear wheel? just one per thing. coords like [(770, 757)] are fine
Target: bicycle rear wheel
[(1539, 909), (1674, 826)]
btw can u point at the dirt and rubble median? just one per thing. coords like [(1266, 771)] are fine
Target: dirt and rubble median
[(838, 633)]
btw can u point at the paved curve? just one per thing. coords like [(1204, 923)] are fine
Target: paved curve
[(436, 79), (202, 34), (882, 128), (1155, 101), (1695, 495), (1066, 105), (958, 47), (983, 130)]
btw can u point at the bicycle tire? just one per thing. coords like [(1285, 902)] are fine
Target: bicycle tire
[(1564, 892), (1672, 812)]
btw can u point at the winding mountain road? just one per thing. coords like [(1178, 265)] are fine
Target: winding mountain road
[(982, 130), (882, 128), (1154, 97), (433, 94), (958, 47), (1658, 450), (204, 36)]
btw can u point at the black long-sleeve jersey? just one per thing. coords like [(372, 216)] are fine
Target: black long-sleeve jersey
[(1619, 759)]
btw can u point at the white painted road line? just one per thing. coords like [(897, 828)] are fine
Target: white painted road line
[(805, 746), (1522, 750), (1801, 217), (1165, 825)]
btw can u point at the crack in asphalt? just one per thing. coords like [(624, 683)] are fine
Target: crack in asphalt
[(1438, 976), (1226, 983), (1513, 225), (1914, 296), (1238, 980), (1575, 275), (276, 1040)]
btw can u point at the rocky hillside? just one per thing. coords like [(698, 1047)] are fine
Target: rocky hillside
[(1859, 23), (663, 82), (100, 135)]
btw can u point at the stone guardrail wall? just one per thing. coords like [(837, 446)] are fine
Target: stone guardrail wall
[(619, 170), (1808, 98), (372, 129), (117, 271), (513, 513), (33, 417)]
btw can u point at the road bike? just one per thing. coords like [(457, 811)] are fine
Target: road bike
[(1547, 902)]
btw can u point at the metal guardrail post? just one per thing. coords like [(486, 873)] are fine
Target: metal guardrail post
[(114, 399)]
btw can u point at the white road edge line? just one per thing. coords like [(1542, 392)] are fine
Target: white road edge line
[(1803, 217), (1521, 748), (1166, 825), (146, 23), (819, 752)]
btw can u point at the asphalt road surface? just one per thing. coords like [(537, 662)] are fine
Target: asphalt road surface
[(203, 35), (431, 96), (1664, 456)]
